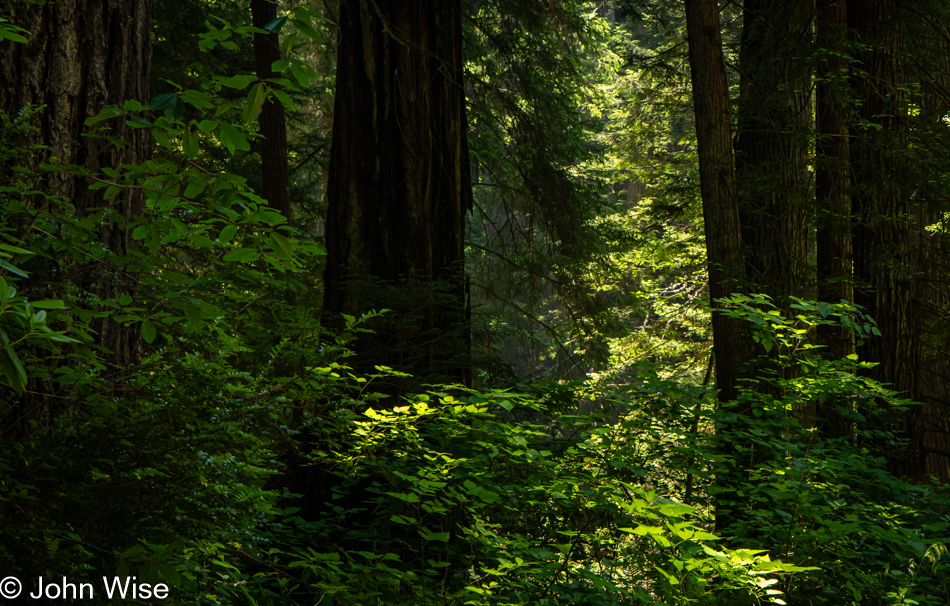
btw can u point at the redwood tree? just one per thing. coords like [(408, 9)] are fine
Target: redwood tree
[(399, 184), (272, 122), (884, 215), (833, 188), (717, 177), (82, 56), (772, 145)]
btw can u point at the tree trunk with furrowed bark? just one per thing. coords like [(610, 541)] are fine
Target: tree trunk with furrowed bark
[(82, 56), (400, 186)]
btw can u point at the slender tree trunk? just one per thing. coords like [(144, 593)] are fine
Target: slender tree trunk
[(884, 219), (720, 202), (82, 56), (400, 184), (271, 121), (833, 190)]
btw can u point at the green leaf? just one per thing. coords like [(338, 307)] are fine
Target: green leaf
[(254, 102), (239, 81), (274, 25), (161, 137), (307, 30), (163, 102), (105, 114), (675, 510), (12, 368), (288, 44), (148, 331), (7, 34), (201, 241), (192, 313), (281, 245), (232, 138), (227, 233), (197, 98), (13, 269), (189, 143), (242, 255), (196, 186), (136, 122), (284, 98), (48, 304), (23, 251)]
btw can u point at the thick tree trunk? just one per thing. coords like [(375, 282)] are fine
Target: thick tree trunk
[(272, 122), (82, 56), (774, 129), (884, 220), (833, 190), (399, 184), (720, 202)]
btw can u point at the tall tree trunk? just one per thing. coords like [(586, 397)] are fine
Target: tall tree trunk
[(272, 123), (399, 184), (884, 220), (82, 56), (772, 147), (720, 202), (833, 190)]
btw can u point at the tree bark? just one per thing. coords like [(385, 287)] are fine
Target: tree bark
[(884, 217), (772, 145), (720, 202), (399, 184), (833, 191), (272, 122), (82, 56)]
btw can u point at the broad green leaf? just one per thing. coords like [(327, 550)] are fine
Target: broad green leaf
[(281, 246), (13, 269), (254, 102), (148, 331), (675, 509), (242, 255), (227, 233), (17, 249), (8, 34), (48, 304), (189, 143), (304, 27), (12, 368), (136, 122), (105, 114), (232, 138), (201, 241), (198, 98), (274, 25), (161, 137), (196, 186), (284, 98), (239, 81)]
